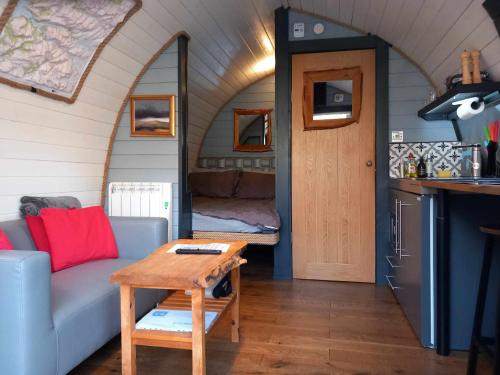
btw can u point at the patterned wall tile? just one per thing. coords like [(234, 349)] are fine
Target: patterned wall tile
[(441, 154), (247, 163)]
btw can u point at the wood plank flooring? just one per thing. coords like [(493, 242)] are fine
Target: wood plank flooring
[(300, 327)]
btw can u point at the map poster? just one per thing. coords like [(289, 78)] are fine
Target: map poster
[(49, 46)]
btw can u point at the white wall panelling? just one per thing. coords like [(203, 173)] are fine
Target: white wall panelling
[(141, 159), (219, 138), (409, 91)]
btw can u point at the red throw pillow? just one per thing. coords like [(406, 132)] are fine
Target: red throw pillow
[(78, 235), (38, 233), (5, 243)]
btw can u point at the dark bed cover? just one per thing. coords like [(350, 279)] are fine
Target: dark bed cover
[(258, 212)]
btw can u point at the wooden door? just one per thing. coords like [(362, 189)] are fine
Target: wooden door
[(333, 180)]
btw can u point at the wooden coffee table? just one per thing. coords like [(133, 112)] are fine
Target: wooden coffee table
[(178, 273)]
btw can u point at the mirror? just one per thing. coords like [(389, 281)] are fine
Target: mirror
[(331, 98), (252, 130)]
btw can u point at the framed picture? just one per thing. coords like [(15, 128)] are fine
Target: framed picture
[(152, 115)]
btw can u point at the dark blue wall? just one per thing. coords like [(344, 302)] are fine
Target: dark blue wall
[(467, 213)]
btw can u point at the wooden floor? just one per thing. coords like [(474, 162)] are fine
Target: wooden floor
[(300, 327)]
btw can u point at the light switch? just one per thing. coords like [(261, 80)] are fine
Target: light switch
[(298, 30), (397, 136)]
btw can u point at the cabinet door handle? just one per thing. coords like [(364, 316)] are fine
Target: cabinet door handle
[(396, 203), (400, 228), (390, 262), (388, 278)]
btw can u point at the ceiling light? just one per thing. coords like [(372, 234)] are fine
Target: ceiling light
[(268, 45), (266, 64)]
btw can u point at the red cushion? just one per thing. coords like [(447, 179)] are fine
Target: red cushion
[(38, 233), (78, 235), (5, 243)]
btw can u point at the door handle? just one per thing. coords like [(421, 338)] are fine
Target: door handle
[(396, 201), (369, 163)]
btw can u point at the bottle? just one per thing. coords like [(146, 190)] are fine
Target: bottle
[(412, 166), (428, 166), (421, 168)]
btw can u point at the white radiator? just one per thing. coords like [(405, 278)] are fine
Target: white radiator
[(150, 199)]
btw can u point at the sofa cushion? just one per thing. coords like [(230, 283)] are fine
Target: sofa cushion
[(86, 309), (18, 234), (38, 233), (77, 236), (5, 243)]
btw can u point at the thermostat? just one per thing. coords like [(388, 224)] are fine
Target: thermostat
[(298, 30), (318, 28)]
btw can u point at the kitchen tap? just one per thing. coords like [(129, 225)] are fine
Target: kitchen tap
[(476, 158)]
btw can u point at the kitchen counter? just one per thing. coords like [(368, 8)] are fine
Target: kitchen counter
[(450, 275), (431, 186)]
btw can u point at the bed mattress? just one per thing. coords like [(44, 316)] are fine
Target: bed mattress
[(234, 215), (204, 223)]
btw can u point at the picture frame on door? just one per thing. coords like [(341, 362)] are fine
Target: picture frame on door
[(152, 116)]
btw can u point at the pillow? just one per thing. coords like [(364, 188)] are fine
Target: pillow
[(38, 232), (256, 186), (78, 236), (5, 243), (214, 184)]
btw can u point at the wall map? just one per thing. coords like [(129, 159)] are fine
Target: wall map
[(49, 46)]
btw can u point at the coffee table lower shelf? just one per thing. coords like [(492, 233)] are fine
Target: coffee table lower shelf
[(178, 300)]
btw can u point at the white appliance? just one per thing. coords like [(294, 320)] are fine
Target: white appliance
[(146, 199)]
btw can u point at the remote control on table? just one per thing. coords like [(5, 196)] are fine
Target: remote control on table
[(197, 251)]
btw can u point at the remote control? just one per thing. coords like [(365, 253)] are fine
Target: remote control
[(197, 251)]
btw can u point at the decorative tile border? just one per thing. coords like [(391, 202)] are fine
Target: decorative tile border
[(263, 164), (442, 155)]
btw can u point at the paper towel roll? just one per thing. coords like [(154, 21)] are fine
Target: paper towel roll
[(469, 108)]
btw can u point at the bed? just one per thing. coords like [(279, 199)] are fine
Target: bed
[(235, 205)]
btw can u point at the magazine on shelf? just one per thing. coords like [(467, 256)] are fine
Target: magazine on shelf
[(173, 320)]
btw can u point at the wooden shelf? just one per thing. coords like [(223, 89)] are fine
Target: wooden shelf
[(442, 108), (178, 300)]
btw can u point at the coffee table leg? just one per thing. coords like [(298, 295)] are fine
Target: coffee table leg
[(198, 331), (127, 302), (235, 310)]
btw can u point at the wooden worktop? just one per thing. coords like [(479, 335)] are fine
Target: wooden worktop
[(172, 271), (421, 186)]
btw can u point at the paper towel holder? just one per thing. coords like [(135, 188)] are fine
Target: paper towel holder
[(469, 107)]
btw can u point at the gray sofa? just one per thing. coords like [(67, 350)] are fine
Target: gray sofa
[(49, 323)]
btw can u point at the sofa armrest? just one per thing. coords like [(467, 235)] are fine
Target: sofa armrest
[(27, 336), (138, 237)]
